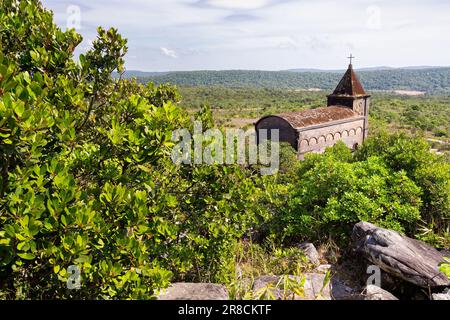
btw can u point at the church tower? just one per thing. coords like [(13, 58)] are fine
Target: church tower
[(350, 93)]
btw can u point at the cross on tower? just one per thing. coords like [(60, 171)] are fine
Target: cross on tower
[(351, 58)]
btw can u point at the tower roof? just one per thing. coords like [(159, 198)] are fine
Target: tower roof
[(349, 84)]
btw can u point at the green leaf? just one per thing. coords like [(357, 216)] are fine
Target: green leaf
[(34, 55), (23, 246), (27, 256), (79, 240), (19, 108), (24, 221)]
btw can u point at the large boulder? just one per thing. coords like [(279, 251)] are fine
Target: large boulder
[(372, 292), (409, 259), (194, 291)]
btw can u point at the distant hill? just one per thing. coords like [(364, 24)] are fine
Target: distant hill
[(434, 80), (342, 70), (140, 74), (380, 68)]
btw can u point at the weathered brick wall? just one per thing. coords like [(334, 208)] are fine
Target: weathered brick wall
[(316, 140)]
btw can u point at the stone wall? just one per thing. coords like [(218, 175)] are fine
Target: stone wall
[(316, 139)]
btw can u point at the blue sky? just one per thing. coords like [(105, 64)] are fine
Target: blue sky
[(167, 35)]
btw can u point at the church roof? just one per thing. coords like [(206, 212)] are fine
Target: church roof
[(310, 117), (349, 84)]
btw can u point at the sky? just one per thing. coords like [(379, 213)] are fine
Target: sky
[(169, 35)]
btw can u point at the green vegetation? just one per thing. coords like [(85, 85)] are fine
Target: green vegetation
[(86, 179), (229, 103), (392, 181), (253, 260), (429, 115), (432, 81), (445, 267), (86, 174), (242, 106)]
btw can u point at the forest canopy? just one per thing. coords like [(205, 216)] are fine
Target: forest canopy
[(429, 80)]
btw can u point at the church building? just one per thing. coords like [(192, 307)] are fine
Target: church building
[(345, 118)]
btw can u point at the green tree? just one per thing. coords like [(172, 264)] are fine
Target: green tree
[(86, 174), (393, 181)]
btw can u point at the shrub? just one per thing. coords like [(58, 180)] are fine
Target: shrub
[(86, 174), (393, 181), (430, 172)]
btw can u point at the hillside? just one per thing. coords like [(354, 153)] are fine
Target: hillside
[(242, 106), (431, 81)]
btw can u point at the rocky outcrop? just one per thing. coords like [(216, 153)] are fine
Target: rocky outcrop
[(194, 291), (372, 292), (408, 266), (340, 291), (310, 252), (409, 259)]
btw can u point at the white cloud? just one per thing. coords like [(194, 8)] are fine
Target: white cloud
[(169, 53), (269, 34)]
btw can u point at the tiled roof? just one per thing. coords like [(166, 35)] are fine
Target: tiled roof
[(305, 118)]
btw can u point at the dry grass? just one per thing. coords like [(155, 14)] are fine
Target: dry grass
[(254, 260)]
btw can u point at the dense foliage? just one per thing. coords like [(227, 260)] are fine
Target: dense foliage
[(392, 181), (430, 80), (86, 179), (86, 175)]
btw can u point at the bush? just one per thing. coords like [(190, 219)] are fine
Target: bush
[(393, 181), (86, 174), (430, 172)]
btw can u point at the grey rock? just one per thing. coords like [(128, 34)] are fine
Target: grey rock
[(323, 268), (194, 291), (310, 252), (408, 259), (340, 291), (372, 292)]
